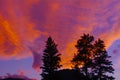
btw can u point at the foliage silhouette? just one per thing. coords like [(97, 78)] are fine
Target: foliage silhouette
[(101, 63), (51, 60), (82, 59), (91, 61)]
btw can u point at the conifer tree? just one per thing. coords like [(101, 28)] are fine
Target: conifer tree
[(51, 60), (82, 59), (102, 66)]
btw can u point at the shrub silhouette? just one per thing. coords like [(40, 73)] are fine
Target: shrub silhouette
[(68, 74)]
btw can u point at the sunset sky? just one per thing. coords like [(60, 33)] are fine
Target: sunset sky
[(26, 24)]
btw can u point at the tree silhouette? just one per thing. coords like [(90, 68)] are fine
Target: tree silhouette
[(90, 62), (82, 59), (92, 59), (51, 60), (102, 64)]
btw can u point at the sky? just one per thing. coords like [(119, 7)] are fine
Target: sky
[(26, 24)]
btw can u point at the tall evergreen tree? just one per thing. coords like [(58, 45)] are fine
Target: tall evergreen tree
[(101, 63), (82, 59), (51, 60)]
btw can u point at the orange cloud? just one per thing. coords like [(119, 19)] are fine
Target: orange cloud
[(23, 21), (14, 41), (111, 36)]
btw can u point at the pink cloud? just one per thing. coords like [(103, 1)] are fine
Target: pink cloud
[(37, 59), (30, 22)]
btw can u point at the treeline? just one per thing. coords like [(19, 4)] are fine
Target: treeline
[(90, 62)]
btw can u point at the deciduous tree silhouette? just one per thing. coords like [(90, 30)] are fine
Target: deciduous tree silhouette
[(51, 60), (102, 64), (82, 59)]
